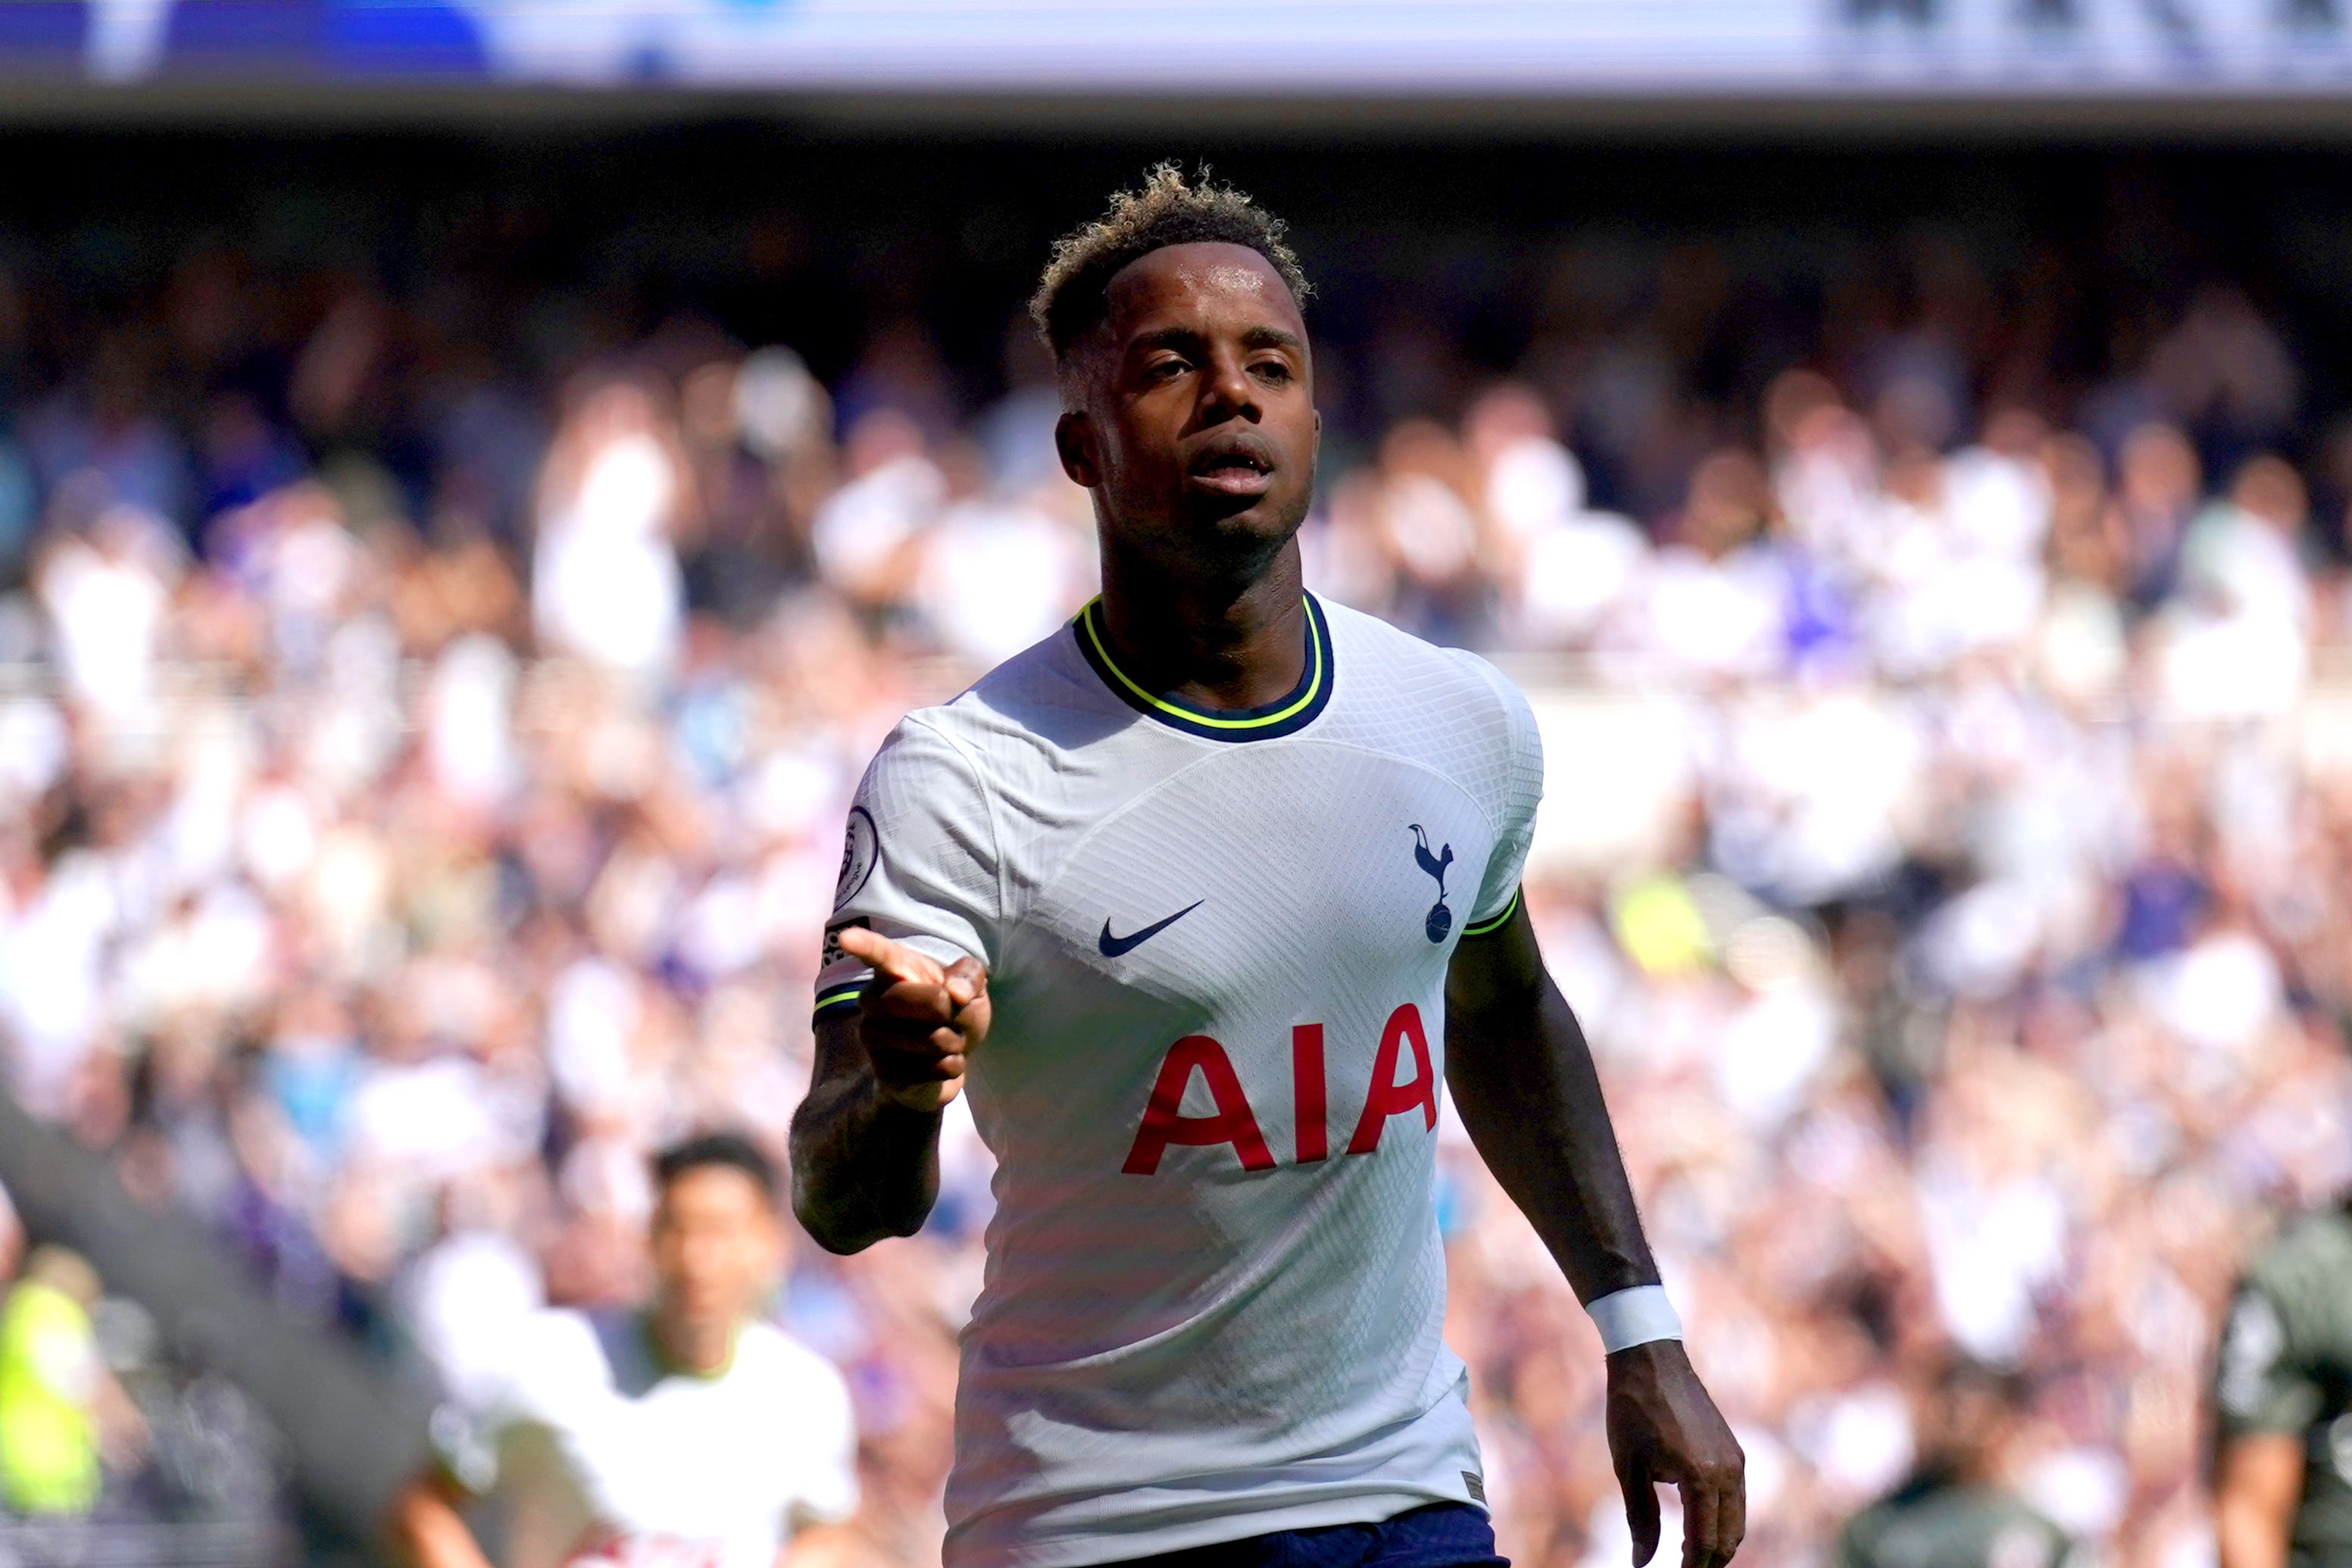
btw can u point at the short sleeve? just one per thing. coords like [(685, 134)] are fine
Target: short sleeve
[(469, 1435), (826, 1491), (918, 860), (1520, 791), (465, 1447), (2261, 1384)]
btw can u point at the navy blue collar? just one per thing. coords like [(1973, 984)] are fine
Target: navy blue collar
[(1285, 716)]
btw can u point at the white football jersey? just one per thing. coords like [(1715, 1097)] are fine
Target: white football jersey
[(606, 1458), (1217, 946), (1216, 951)]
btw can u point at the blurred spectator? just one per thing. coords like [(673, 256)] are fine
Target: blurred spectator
[(687, 1428), (866, 532), (614, 494), (59, 1406)]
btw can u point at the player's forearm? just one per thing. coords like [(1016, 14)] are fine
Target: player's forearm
[(1523, 1079), (863, 1169), (2248, 1535), (427, 1531), (2260, 1483)]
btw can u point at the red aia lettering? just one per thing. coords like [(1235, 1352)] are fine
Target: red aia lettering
[(1389, 1098), (1164, 1124), (1307, 1092)]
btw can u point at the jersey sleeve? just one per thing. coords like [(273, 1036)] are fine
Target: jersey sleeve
[(465, 1447), (2261, 1383), (919, 861), (1520, 792), (827, 1490), (470, 1434)]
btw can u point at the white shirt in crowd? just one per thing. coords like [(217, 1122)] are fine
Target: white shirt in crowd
[(607, 1459)]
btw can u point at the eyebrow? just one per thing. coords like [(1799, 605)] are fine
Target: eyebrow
[(1187, 337), (1272, 337), (1165, 338)]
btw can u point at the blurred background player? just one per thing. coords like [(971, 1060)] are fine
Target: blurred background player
[(692, 1433), (2283, 1398), (1957, 1509)]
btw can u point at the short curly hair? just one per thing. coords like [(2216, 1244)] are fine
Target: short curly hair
[(1074, 294)]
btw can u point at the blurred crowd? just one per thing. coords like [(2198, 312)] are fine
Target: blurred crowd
[(421, 786), (113, 1449)]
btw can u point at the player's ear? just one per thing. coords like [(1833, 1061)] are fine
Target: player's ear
[(1074, 439)]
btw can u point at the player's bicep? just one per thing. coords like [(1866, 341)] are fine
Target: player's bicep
[(1494, 972), (840, 1058), (823, 1127)]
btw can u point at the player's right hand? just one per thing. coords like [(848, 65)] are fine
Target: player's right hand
[(917, 1020), (1663, 1428)]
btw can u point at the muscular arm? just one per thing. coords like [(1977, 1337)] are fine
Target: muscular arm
[(864, 1167), (866, 1141), (1523, 1079), (426, 1531), (2259, 1484)]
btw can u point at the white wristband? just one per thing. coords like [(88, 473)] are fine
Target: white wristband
[(1634, 1317)]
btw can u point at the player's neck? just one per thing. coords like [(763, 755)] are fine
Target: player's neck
[(692, 1349), (1230, 642)]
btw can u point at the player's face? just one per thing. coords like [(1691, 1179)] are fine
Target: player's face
[(716, 1245), (1197, 430)]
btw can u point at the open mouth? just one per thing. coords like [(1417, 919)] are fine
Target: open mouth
[(1233, 469)]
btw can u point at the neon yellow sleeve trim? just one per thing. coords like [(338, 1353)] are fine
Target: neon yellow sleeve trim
[(834, 996), (1487, 928)]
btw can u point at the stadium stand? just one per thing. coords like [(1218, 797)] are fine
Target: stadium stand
[(432, 678)]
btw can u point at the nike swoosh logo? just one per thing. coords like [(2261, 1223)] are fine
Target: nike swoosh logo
[(1112, 946)]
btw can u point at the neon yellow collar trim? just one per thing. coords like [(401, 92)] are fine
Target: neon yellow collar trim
[(669, 1368), (1282, 717)]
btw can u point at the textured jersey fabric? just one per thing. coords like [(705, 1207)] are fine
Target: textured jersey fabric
[(2287, 1366), (1217, 947), (605, 1458)]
